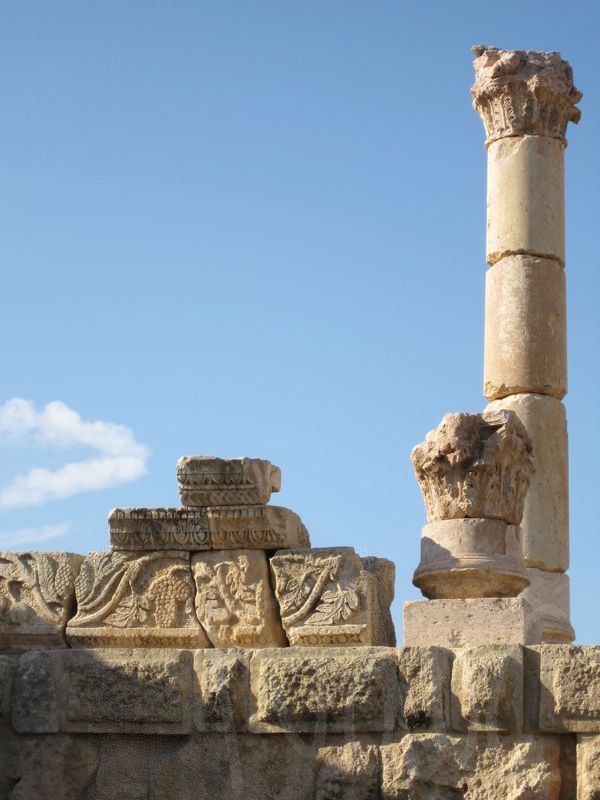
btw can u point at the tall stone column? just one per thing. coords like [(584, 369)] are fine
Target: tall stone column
[(526, 100)]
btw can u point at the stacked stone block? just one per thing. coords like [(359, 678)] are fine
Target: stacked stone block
[(225, 570), (526, 100), (486, 722), (474, 471)]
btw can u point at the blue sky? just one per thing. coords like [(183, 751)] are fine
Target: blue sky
[(258, 229)]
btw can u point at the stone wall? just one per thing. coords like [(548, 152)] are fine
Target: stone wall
[(482, 723)]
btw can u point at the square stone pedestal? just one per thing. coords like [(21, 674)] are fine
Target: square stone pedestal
[(465, 623)]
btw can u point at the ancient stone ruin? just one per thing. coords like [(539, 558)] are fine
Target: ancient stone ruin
[(211, 653)]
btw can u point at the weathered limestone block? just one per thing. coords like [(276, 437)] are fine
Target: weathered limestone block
[(52, 767), (35, 698), (479, 766), (255, 528), (525, 199), (487, 689), (384, 571), (588, 767), (424, 696), (466, 623), (126, 691), (525, 328), (210, 481), (519, 92), (548, 594), (338, 690), (222, 690), (570, 689), (36, 598), (545, 524), (463, 558), (234, 599), (348, 772), (475, 466), (231, 767), (159, 529), (92, 691), (139, 599), (8, 666), (326, 597)]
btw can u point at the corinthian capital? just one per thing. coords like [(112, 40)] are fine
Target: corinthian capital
[(475, 465), (519, 92)]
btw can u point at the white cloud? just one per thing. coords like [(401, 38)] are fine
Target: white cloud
[(27, 536), (120, 458)]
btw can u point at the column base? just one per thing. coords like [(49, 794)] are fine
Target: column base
[(470, 622), (548, 594)]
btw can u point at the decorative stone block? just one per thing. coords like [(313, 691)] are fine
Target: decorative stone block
[(476, 466), (466, 623), (525, 199), (234, 600), (548, 594), (36, 598), (210, 481), (424, 696), (525, 328), (570, 689), (326, 597), (222, 690), (159, 529), (336, 691), (463, 558), (441, 767), (135, 599), (255, 528), (487, 689), (545, 523), (588, 767)]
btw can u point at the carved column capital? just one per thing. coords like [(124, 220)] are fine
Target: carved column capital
[(523, 92)]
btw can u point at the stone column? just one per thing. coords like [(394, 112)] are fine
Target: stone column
[(526, 99)]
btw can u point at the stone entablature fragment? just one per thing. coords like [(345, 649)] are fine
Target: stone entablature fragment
[(129, 599), (209, 481), (476, 466), (253, 527), (328, 597), (524, 92), (158, 529), (36, 597), (234, 600)]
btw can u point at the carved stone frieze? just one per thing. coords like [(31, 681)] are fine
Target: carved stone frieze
[(132, 599), (475, 465), (208, 481), (234, 600), (36, 597), (255, 528), (159, 529), (326, 597), (520, 92)]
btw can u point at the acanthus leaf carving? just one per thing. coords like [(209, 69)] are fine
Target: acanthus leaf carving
[(475, 466), (524, 92)]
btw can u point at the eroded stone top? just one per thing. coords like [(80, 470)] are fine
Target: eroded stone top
[(475, 465), (210, 481), (519, 92)]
